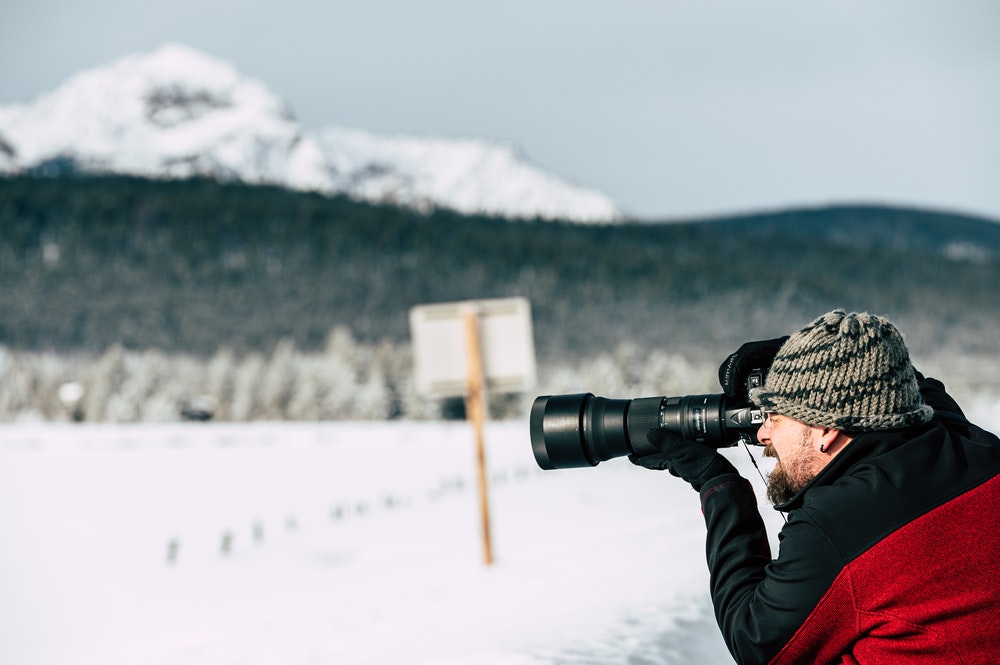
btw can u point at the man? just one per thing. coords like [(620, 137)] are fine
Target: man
[(891, 548)]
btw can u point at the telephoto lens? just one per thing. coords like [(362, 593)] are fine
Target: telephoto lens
[(583, 430), (579, 430)]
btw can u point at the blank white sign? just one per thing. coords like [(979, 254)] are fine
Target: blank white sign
[(440, 347)]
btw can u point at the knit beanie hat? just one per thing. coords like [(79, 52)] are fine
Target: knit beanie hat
[(851, 372)]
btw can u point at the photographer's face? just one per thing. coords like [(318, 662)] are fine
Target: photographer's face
[(796, 446)]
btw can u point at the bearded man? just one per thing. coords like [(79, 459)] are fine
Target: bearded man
[(891, 548)]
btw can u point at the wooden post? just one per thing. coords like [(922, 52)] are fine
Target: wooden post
[(475, 407)]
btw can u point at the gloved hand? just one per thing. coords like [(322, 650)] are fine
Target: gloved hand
[(694, 462), (733, 372)]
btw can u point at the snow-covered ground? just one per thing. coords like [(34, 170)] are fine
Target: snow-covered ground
[(355, 543)]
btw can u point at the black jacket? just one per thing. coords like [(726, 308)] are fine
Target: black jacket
[(890, 554)]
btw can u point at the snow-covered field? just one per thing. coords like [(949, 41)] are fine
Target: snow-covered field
[(354, 543)]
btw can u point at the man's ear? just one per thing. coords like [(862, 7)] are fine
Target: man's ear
[(832, 441)]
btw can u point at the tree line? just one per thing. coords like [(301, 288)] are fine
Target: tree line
[(344, 380), (165, 273)]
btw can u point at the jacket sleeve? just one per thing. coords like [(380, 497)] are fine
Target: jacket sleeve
[(760, 602)]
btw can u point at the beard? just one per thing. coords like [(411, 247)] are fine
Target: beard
[(781, 487), (788, 479)]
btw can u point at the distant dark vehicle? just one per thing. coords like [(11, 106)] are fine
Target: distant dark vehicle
[(200, 408)]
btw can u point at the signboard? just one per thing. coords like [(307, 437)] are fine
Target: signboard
[(505, 339), (466, 349)]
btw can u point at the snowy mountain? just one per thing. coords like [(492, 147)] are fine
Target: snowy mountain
[(176, 112)]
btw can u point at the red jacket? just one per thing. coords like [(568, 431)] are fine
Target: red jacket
[(890, 555)]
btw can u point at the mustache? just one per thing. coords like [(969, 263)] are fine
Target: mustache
[(769, 451)]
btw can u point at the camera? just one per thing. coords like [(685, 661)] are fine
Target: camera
[(582, 429)]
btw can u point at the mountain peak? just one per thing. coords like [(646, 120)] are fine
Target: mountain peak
[(186, 64), (173, 112), (184, 84), (177, 112)]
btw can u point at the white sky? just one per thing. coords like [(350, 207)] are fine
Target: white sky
[(673, 108)]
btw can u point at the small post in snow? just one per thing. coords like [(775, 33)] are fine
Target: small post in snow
[(475, 411)]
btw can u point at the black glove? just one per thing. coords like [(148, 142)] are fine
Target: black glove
[(694, 462), (733, 372)]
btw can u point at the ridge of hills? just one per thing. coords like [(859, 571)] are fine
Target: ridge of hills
[(195, 265)]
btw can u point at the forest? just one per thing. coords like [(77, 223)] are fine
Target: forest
[(289, 305)]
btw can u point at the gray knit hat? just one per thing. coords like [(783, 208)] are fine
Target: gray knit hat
[(851, 372)]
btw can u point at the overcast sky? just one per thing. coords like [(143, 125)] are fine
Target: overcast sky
[(674, 109)]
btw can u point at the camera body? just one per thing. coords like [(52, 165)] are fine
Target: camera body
[(581, 429)]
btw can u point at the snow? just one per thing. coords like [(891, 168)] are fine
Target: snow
[(472, 175), (171, 112), (177, 112), (354, 543), (348, 543)]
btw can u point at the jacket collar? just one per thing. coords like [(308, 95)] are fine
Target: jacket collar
[(863, 446)]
